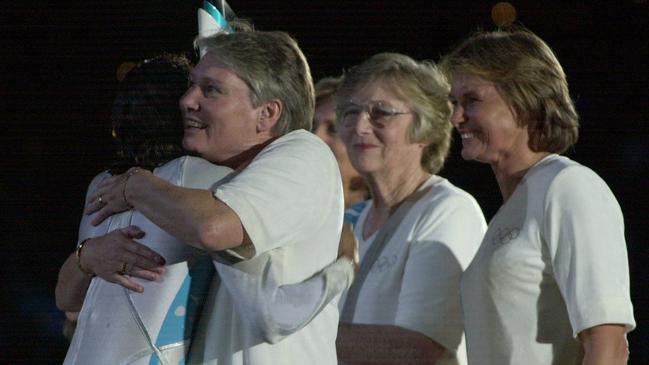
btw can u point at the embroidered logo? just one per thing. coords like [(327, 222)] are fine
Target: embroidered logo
[(384, 263), (504, 235)]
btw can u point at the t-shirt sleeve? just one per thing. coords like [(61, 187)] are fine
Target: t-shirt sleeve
[(276, 311), (197, 173), (584, 231), (444, 243), (283, 195)]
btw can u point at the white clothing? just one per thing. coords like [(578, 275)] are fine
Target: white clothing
[(117, 326), (414, 283), (290, 202), (553, 263)]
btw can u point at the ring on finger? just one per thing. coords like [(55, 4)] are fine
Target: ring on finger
[(124, 271), (100, 200)]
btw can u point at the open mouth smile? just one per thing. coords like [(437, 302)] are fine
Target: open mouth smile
[(191, 123)]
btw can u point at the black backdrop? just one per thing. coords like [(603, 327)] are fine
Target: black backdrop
[(58, 62)]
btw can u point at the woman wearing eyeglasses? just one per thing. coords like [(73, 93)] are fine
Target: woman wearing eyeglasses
[(418, 232)]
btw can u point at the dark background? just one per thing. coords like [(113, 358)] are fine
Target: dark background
[(59, 60)]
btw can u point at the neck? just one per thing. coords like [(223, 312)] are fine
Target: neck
[(509, 172), (240, 161), (390, 190)]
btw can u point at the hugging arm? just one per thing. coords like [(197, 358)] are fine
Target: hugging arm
[(110, 257), (277, 311), (194, 216)]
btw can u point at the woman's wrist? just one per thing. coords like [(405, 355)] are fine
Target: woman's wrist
[(129, 174), (78, 252)]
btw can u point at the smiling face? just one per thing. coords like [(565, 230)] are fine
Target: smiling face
[(219, 119), (487, 124), (382, 148)]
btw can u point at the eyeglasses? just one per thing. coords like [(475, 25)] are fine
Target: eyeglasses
[(379, 114)]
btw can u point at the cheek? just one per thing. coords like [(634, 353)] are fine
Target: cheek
[(345, 137), (392, 137), (338, 147)]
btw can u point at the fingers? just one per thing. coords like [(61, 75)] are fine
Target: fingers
[(95, 202), (101, 195), (142, 256), (100, 216), (348, 244), (107, 199), (133, 232), (124, 278), (99, 204), (127, 283), (150, 275), (115, 256)]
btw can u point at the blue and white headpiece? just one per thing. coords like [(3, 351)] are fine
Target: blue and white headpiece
[(213, 19)]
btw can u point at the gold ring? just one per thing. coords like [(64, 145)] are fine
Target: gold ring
[(123, 271)]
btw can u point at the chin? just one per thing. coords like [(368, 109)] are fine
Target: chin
[(466, 156), (192, 148), (469, 155), (187, 145)]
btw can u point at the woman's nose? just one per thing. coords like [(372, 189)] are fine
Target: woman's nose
[(189, 100), (363, 124), (457, 116)]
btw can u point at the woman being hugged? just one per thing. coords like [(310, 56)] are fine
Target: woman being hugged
[(550, 283)]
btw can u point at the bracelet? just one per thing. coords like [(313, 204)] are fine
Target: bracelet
[(78, 254), (128, 176)]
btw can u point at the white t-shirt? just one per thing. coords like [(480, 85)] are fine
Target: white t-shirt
[(553, 263), (290, 202), (414, 283), (117, 326)]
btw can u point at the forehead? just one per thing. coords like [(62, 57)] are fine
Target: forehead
[(325, 105), (212, 68), (463, 83), (376, 90)]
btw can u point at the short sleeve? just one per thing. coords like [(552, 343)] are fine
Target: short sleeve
[(277, 311), (584, 231), (445, 241), (198, 173), (286, 193)]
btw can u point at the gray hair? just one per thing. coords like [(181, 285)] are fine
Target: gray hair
[(273, 67), (421, 86)]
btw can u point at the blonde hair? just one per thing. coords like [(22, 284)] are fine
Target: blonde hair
[(422, 87), (326, 87), (528, 75)]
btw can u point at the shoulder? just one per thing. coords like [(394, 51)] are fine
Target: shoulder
[(190, 171), (443, 196), (553, 168), (577, 191), (446, 210), (568, 179), (299, 142), (100, 177), (97, 180), (296, 153)]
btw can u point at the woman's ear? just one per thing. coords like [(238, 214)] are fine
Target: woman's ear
[(269, 115)]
